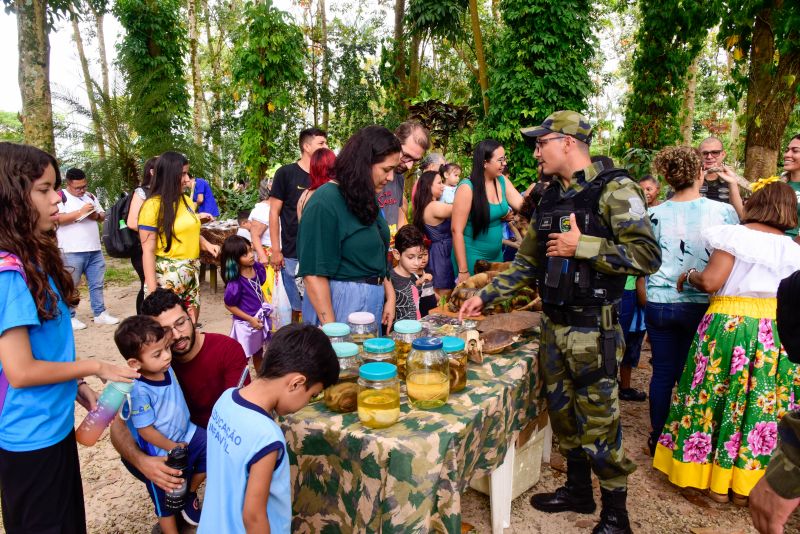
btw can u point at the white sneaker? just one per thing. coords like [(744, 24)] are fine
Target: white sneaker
[(77, 325), (105, 318)]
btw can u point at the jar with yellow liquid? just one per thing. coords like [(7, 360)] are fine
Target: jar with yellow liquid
[(404, 333), (337, 332), (342, 396), (379, 395), (457, 356), (379, 349), (427, 374), (362, 326)]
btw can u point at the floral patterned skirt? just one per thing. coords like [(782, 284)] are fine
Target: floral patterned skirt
[(736, 386), (182, 277)]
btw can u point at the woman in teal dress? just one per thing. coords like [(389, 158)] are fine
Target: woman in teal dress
[(480, 204)]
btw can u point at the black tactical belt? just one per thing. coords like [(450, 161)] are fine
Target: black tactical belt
[(587, 317)]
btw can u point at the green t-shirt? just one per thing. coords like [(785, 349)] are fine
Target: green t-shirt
[(796, 186), (332, 242)]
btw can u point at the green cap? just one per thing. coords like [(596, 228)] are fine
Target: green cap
[(566, 122), (345, 350)]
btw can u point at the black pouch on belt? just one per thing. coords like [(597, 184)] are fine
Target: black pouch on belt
[(608, 342)]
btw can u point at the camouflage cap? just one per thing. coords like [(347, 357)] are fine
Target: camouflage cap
[(565, 122)]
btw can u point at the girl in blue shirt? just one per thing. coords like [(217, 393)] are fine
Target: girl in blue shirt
[(39, 377)]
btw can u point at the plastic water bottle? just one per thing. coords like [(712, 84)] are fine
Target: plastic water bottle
[(98, 419), (178, 458)]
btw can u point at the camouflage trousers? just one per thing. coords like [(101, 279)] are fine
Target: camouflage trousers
[(585, 419)]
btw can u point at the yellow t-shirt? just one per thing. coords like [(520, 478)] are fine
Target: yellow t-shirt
[(185, 231)]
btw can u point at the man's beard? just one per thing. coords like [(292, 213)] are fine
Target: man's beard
[(190, 338)]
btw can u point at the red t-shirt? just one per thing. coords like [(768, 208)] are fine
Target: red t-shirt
[(218, 366)]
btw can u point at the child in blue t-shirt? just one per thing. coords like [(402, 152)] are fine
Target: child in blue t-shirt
[(248, 469), (159, 412)]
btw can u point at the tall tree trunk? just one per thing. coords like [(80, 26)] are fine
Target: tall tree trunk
[(99, 17), (689, 94), (34, 74), (771, 96), (198, 99), (215, 46), (476, 32), (326, 63), (734, 141), (399, 45), (414, 66), (87, 79)]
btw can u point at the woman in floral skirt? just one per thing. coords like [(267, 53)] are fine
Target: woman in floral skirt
[(738, 382)]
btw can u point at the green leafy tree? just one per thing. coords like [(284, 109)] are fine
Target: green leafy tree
[(764, 36), (10, 127), (538, 66), (671, 35), (152, 59), (268, 72)]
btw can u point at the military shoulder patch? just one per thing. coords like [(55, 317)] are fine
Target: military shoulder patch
[(637, 208)]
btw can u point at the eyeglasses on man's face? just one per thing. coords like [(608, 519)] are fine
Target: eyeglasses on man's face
[(541, 142), (712, 153)]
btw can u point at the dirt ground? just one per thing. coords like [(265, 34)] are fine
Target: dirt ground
[(118, 503)]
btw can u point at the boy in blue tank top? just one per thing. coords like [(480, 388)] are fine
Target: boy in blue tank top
[(159, 413), (248, 486)]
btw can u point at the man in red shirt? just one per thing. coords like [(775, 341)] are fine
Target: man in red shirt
[(205, 364)]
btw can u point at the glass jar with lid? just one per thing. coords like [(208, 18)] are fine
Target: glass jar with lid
[(454, 347), (337, 332), (379, 349), (343, 395), (427, 374), (362, 326), (404, 333), (378, 395)]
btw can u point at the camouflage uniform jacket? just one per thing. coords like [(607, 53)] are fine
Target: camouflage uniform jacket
[(783, 471), (634, 249)]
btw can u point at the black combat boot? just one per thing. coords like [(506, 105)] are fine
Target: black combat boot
[(614, 514), (574, 496)]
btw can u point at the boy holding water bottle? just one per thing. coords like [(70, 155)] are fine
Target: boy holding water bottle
[(159, 416)]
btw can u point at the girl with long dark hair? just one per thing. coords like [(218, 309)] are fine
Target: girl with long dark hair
[(139, 196), (169, 230), (343, 240), (432, 218), (39, 377), (481, 203)]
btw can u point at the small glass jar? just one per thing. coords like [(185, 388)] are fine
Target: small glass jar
[(379, 395), (342, 397), (427, 374), (379, 349), (456, 353), (337, 332), (404, 333), (362, 326)]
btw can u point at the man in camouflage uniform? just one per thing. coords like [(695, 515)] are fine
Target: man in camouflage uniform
[(589, 231), (777, 494)]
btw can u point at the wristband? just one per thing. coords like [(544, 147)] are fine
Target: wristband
[(463, 272), (688, 274), (81, 382)]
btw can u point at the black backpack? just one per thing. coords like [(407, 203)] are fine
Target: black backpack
[(119, 240)]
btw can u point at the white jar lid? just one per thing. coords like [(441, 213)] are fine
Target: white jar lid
[(361, 318)]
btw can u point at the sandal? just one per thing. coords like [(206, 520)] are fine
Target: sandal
[(740, 500), (718, 497)]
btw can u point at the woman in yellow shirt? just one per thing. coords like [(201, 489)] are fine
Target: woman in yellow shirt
[(169, 230)]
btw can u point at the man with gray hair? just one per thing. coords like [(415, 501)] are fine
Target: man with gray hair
[(414, 142), (721, 183)]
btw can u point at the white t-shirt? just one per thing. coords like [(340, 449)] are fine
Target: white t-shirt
[(83, 236), (761, 260), (260, 213)]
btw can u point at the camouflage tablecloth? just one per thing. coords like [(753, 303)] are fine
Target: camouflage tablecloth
[(409, 477)]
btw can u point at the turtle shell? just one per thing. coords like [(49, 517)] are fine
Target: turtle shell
[(497, 341), (516, 322)]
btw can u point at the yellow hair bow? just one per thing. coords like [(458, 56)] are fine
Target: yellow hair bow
[(763, 182)]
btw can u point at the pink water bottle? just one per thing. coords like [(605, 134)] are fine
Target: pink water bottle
[(98, 419)]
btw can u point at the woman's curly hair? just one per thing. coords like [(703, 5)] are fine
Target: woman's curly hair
[(20, 166), (679, 165)]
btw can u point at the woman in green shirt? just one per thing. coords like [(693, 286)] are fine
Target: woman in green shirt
[(791, 173), (343, 240), (480, 204)]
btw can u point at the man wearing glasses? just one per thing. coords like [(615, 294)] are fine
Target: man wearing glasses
[(721, 183), (79, 241), (205, 364), (589, 231), (414, 142)]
